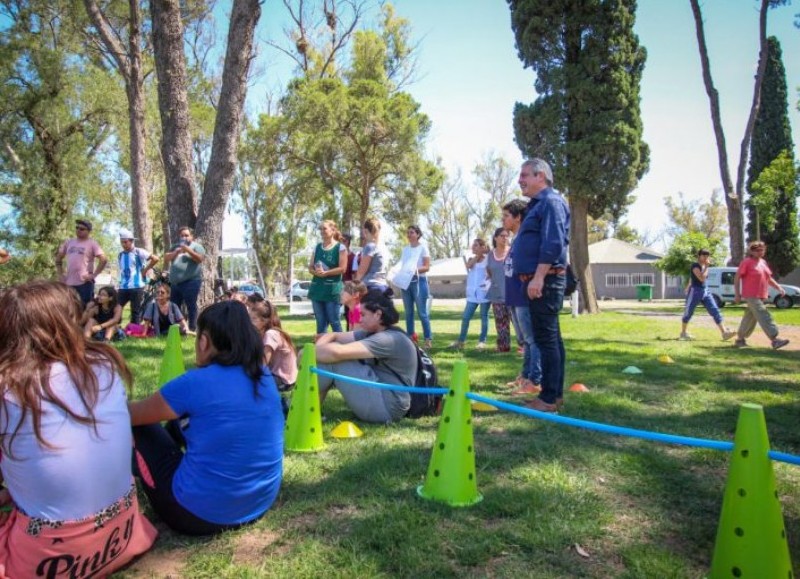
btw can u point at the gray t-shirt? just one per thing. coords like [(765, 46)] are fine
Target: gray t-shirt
[(496, 271), (392, 349), (376, 272), (183, 267)]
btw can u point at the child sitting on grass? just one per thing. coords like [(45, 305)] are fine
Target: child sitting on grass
[(352, 293), (102, 316), (279, 353)]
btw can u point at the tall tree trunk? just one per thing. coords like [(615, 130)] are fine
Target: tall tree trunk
[(579, 251), (129, 66), (173, 105), (733, 197), (744, 151), (222, 164), (140, 202)]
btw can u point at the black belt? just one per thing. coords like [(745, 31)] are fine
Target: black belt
[(551, 271)]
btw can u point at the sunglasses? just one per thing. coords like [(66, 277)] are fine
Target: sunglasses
[(81, 228)]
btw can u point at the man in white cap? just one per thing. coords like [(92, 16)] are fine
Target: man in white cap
[(134, 263)]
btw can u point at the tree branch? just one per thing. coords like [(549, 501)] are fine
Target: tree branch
[(109, 38)]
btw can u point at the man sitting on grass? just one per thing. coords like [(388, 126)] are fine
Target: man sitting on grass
[(377, 353)]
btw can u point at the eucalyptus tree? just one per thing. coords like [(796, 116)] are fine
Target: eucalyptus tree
[(497, 183), (122, 38), (55, 105), (449, 219), (276, 203), (173, 87), (586, 119), (734, 193)]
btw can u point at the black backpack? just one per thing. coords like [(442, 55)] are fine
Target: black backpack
[(427, 377)]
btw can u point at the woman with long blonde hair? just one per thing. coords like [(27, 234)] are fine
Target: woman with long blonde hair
[(66, 441)]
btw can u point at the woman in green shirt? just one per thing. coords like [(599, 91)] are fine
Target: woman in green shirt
[(327, 265)]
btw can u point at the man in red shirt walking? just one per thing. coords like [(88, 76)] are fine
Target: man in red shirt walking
[(751, 284)]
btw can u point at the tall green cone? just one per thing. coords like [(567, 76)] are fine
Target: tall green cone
[(304, 423), (451, 471), (751, 537)]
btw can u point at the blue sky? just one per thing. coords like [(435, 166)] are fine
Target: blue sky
[(470, 78)]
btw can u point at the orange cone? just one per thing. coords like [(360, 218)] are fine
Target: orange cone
[(578, 387)]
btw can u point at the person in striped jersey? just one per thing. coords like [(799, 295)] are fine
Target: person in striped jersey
[(134, 263)]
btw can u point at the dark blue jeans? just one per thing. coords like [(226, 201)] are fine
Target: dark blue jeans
[(531, 364), (187, 293), (547, 336), (85, 291), (327, 313)]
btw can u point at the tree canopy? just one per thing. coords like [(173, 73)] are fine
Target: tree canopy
[(586, 118), (683, 253)]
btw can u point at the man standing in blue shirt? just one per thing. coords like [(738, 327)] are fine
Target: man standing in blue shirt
[(134, 263), (540, 262)]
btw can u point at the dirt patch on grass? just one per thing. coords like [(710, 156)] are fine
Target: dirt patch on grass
[(167, 564), (249, 548)]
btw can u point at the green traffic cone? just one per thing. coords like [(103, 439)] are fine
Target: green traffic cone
[(451, 471), (304, 423), (751, 537), (172, 362)]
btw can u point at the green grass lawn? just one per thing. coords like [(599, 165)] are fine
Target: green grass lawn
[(636, 508)]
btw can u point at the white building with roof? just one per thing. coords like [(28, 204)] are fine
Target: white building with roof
[(618, 267)]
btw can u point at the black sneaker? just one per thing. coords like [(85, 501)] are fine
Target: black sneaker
[(778, 344)]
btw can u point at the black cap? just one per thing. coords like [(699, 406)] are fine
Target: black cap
[(86, 224)]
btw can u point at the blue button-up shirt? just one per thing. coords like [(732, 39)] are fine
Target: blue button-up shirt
[(543, 236)]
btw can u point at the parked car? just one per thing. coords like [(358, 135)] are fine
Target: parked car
[(249, 289), (720, 285), (298, 291)]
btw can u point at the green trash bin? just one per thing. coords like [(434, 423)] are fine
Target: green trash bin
[(644, 291)]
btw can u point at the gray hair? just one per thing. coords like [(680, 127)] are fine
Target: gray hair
[(540, 166)]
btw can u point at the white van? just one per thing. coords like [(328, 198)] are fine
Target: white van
[(720, 285)]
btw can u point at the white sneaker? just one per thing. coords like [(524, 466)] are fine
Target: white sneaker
[(728, 334), (685, 337), (481, 346)]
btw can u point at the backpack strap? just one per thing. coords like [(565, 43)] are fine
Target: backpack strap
[(385, 365)]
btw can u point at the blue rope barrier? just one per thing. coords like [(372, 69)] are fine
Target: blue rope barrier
[(624, 431), (380, 386), (576, 422)]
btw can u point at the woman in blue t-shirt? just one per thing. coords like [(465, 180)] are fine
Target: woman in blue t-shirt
[(227, 414)]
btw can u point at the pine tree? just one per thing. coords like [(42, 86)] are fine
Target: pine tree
[(772, 134), (586, 121), (771, 179)]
